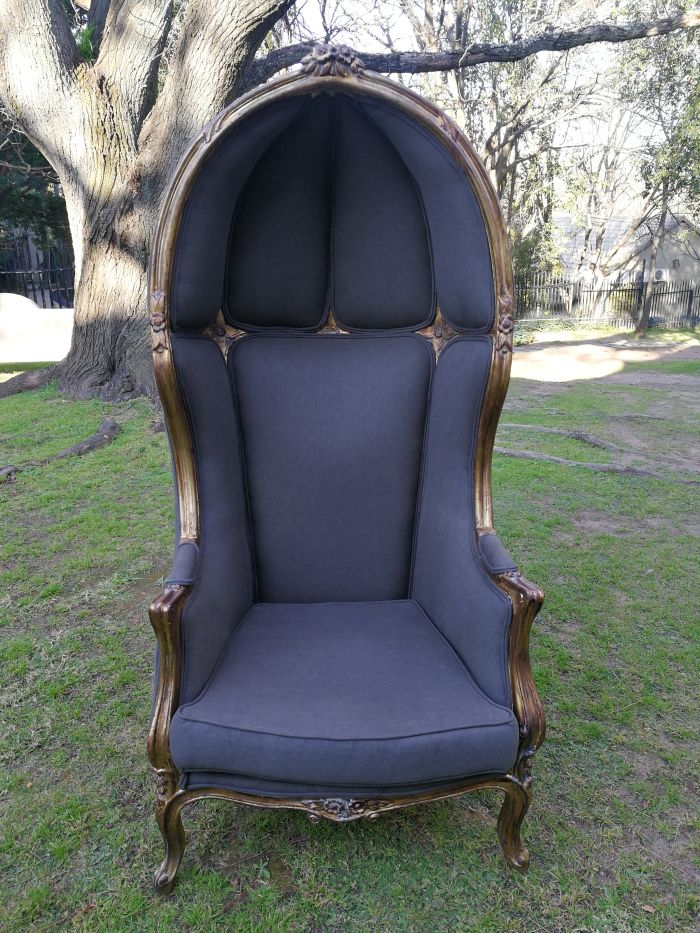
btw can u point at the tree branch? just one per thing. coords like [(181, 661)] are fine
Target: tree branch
[(551, 40), (106, 433), (215, 46), (38, 58), (135, 33)]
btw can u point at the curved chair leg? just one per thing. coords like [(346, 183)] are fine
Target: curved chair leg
[(510, 819), (170, 825)]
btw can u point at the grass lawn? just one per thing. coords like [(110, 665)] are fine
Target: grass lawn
[(85, 544)]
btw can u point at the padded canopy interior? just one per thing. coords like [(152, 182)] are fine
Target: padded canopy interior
[(333, 202)]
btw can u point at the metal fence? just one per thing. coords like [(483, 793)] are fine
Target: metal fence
[(44, 273), (543, 297), (46, 276)]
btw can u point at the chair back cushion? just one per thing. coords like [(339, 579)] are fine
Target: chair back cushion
[(332, 432)]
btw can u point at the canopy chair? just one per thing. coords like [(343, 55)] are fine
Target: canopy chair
[(331, 313)]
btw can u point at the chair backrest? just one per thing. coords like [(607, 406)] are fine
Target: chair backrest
[(326, 232)]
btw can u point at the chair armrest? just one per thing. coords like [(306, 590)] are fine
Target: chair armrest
[(165, 612), (494, 554), (185, 563), (527, 599)]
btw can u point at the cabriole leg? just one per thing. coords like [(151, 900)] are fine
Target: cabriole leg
[(510, 819), (170, 825), (168, 808)]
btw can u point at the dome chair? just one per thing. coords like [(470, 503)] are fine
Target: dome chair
[(342, 632)]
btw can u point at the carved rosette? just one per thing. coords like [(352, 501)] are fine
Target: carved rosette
[(439, 333), (341, 810), (223, 333), (506, 324), (337, 61), (158, 322)]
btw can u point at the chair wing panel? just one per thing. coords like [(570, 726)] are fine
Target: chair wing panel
[(460, 250), (202, 242), (449, 579), (224, 588), (279, 256), (382, 271)]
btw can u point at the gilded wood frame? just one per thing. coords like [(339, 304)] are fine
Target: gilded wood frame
[(337, 69)]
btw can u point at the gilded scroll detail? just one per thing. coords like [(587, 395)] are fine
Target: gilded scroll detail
[(338, 61), (342, 810)]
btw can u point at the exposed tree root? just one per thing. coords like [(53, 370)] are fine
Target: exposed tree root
[(108, 430), (632, 416), (575, 435), (596, 467), (25, 382)]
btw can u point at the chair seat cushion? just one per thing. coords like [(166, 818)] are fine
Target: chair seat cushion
[(361, 693)]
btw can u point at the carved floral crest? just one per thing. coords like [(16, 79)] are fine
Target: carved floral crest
[(335, 60)]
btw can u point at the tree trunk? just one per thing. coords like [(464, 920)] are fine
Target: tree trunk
[(110, 347), (114, 130), (656, 241)]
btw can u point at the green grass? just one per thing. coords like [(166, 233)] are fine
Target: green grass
[(85, 544), (683, 367), (22, 367)]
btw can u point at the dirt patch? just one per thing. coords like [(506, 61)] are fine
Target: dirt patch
[(597, 522), (676, 854), (688, 353), (677, 382), (594, 521), (564, 632), (142, 594), (564, 361)]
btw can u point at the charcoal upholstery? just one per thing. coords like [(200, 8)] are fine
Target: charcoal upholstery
[(347, 693), (224, 588), (202, 246), (448, 575), (245, 784), (494, 554), (331, 201), (382, 265), (279, 253), (342, 632), (333, 436)]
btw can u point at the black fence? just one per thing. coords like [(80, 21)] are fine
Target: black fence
[(542, 297), (44, 273)]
